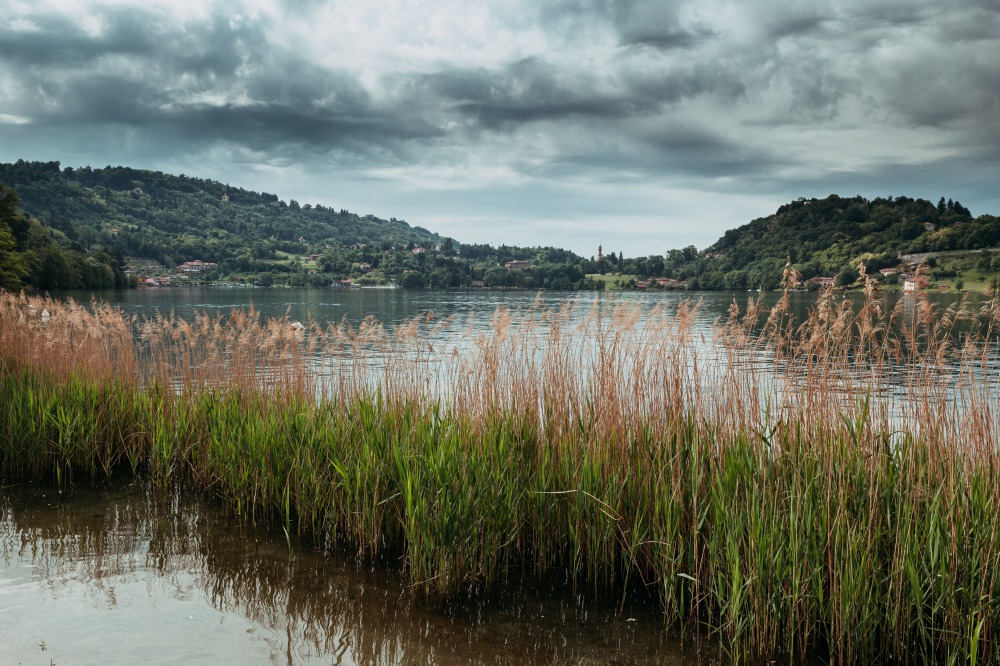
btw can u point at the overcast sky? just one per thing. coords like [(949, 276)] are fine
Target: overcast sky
[(640, 125)]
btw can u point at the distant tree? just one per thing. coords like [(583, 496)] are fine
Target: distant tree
[(439, 279), (736, 279), (984, 261), (11, 266), (847, 276), (413, 281)]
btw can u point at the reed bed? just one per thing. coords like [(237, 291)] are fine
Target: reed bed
[(819, 487)]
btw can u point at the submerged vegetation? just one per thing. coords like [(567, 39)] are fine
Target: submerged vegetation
[(820, 487)]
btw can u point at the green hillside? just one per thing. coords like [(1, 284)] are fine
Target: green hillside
[(173, 219), (828, 237), (95, 228)]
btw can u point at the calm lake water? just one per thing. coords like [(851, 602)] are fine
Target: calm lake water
[(390, 306), (121, 575), (393, 306)]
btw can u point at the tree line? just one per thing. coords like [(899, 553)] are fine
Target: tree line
[(74, 227), (33, 255)]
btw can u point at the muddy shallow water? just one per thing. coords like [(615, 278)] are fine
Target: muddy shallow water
[(119, 574)]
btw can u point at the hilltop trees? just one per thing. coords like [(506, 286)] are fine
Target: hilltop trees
[(33, 255), (173, 219), (11, 265), (825, 237)]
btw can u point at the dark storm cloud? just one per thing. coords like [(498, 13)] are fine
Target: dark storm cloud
[(690, 81), (102, 99), (139, 74), (60, 41), (526, 91), (666, 40), (532, 90), (263, 126), (893, 13), (215, 48), (797, 26)]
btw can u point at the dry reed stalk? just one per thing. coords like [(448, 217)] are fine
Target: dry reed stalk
[(66, 338)]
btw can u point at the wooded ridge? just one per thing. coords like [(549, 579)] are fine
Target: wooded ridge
[(97, 228)]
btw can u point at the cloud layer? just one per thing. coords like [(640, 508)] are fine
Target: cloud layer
[(642, 124)]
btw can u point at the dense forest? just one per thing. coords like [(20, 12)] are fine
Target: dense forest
[(91, 228), (33, 255)]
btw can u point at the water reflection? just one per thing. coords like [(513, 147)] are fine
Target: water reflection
[(122, 574)]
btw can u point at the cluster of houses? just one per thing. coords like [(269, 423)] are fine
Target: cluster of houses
[(421, 250), (196, 266), (148, 273), (911, 281), (661, 283)]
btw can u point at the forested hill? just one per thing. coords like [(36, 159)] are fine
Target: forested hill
[(112, 227), (173, 219), (824, 237), (91, 228)]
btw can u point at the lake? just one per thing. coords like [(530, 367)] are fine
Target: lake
[(390, 306), (393, 306), (118, 574)]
